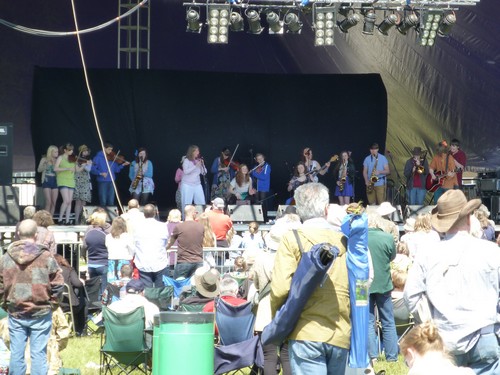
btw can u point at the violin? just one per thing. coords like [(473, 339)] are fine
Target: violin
[(232, 164), (116, 158), (77, 159)]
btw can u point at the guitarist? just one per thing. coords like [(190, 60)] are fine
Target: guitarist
[(442, 170), (312, 165)]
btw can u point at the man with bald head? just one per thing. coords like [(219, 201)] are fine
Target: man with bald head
[(133, 217), (189, 236), (30, 283), (150, 238)]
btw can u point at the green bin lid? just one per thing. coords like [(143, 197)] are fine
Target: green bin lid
[(183, 317)]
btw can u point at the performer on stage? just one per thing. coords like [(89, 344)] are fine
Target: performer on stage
[(299, 178), (105, 188), (223, 172), (241, 186), (49, 182), (65, 169), (83, 186), (344, 173), (192, 166), (375, 171), (141, 176), (442, 170), (312, 165), (416, 170), (460, 159), (262, 174)]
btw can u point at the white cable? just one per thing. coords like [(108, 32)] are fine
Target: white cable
[(94, 113)]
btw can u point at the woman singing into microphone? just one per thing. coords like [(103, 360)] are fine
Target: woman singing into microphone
[(191, 188), (141, 176)]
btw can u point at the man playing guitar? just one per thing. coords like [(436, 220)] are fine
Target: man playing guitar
[(442, 170)]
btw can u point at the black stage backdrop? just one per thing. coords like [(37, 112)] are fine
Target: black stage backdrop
[(166, 111)]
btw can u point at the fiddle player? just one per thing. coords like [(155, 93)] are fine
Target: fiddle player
[(416, 170), (141, 176), (262, 175), (375, 171), (83, 188), (105, 187), (442, 170), (312, 166), (344, 175), (193, 166), (223, 171)]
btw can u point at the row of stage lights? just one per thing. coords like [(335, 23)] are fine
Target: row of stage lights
[(222, 18)]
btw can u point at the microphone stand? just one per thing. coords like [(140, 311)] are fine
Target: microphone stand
[(204, 174), (401, 191)]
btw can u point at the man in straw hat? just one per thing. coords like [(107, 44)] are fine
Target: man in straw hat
[(460, 278), (416, 170)]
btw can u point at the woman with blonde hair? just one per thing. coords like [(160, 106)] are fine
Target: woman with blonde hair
[(49, 182), (422, 236), (488, 231), (209, 238), (193, 166), (425, 353), (120, 247)]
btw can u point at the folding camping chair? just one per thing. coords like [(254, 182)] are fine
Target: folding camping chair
[(238, 347), (92, 293), (123, 344), (70, 316)]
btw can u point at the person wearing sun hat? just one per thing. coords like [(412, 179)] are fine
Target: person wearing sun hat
[(386, 224), (459, 276)]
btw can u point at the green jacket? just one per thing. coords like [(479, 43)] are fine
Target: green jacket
[(383, 251)]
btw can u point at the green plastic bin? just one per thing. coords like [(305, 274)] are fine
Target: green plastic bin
[(183, 343)]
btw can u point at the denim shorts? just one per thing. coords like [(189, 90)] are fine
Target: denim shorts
[(50, 182)]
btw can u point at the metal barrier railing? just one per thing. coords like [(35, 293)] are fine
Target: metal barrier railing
[(221, 258)]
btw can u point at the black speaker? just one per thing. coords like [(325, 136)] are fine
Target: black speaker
[(9, 205), (246, 213), (6, 149)]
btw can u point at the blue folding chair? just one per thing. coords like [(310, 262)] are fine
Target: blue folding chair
[(238, 347)]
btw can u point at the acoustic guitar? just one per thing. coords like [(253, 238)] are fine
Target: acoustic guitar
[(432, 185)]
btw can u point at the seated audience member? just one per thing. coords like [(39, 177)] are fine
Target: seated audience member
[(425, 354), (487, 229), (401, 312), (126, 272), (228, 292), (28, 213), (241, 274), (44, 236), (77, 292), (252, 242), (402, 260), (134, 299), (58, 340), (422, 237), (207, 284)]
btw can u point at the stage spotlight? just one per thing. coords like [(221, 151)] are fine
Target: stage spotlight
[(369, 22), (236, 22), (275, 25), (293, 23), (193, 21), (429, 25), (411, 20), (387, 23), (324, 22), (253, 19), (348, 22), (447, 24), (218, 23)]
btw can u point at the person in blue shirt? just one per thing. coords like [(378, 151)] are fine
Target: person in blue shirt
[(105, 187), (375, 171), (261, 173), (141, 176)]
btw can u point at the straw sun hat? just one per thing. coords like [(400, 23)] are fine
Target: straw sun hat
[(452, 207)]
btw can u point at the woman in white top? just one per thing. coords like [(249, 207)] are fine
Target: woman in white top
[(422, 237), (192, 166), (120, 246), (425, 353), (240, 187)]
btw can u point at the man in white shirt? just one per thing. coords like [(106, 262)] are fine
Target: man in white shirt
[(151, 255), (133, 217)]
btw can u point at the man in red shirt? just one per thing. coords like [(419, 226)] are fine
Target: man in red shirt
[(228, 292), (220, 222)]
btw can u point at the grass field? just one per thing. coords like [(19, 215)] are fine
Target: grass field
[(83, 353)]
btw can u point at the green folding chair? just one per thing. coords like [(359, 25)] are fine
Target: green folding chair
[(124, 349)]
